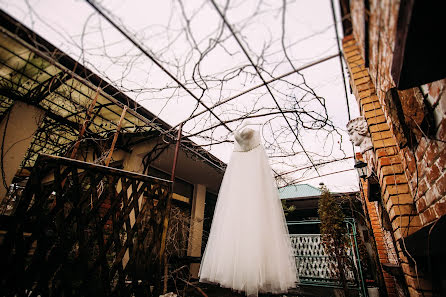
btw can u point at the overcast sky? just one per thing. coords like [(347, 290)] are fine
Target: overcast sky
[(161, 27)]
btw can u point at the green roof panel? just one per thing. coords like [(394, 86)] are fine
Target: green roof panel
[(298, 191)]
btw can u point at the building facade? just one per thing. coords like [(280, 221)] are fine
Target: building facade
[(397, 75), (52, 105)]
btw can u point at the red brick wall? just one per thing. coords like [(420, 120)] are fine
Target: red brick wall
[(391, 165), (423, 163), (380, 243), (382, 27), (412, 175), (394, 185)]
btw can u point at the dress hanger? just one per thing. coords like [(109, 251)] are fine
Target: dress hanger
[(247, 123)]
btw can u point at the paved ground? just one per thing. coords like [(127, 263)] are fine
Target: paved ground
[(215, 291), (302, 291)]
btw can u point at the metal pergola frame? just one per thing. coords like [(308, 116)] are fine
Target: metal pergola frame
[(34, 71)]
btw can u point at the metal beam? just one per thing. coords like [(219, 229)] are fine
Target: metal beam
[(148, 55), (264, 82), (261, 85), (340, 57)]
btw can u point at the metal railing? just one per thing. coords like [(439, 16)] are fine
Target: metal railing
[(316, 268)]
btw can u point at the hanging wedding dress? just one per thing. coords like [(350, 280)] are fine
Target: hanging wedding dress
[(248, 247)]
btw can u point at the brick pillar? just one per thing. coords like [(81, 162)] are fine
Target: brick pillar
[(394, 186), (395, 192), (380, 243)]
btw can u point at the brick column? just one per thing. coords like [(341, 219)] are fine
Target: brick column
[(377, 230), (395, 192), (394, 186)]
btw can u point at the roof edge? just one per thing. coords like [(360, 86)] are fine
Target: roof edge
[(32, 39)]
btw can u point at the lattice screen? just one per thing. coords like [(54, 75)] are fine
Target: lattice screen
[(313, 264)]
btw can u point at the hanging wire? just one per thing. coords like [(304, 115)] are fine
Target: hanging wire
[(259, 86), (264, 83), (318, 164), (148, 55)]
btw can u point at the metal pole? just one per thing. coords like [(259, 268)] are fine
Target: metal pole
[(317, 164), (223, 17), (115, 137), (163, 255), (261, 85), (84, 125), (81, 135), (175, 157), (353, 225), (341, 63), (340, 56), (152, 58)]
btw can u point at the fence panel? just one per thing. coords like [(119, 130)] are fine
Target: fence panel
[(314, 266), (78, 230)]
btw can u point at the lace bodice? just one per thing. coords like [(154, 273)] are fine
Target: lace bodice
[(246, 140)]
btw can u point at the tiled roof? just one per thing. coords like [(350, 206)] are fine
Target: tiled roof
[(298, 191)]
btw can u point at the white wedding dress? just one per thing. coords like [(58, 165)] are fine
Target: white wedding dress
[(249, 248)]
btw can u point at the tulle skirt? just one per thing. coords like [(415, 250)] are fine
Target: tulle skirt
[(249, 248)]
